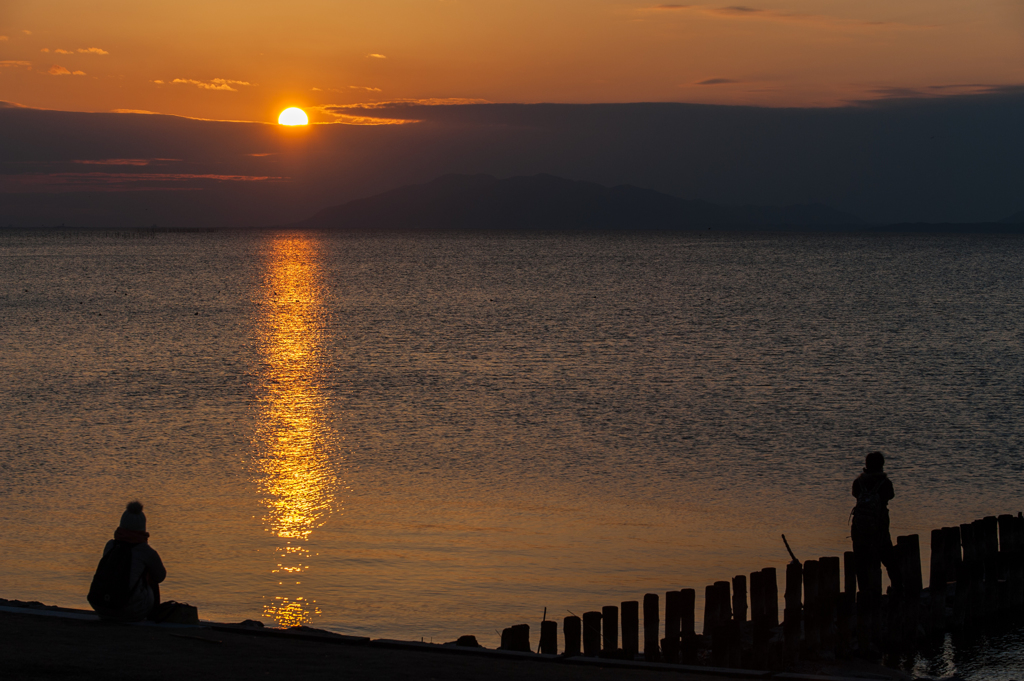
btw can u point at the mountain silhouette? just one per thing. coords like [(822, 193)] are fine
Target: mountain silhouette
[(1015, 219), (549, 202)]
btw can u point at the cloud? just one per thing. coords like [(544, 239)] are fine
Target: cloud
[(26, 31), (134, 111), (376, 56), (60, 51), (92, 50), (13, 63), (363, 87), (748, 13), (941, 91), (121, 182), (716, 81), (432, 101), (158, 82), (215, 84), (315, 89), (119, 161), (59, 71), (3, 38)]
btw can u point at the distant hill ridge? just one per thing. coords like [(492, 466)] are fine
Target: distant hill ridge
[(1015, 219), (549, 202)]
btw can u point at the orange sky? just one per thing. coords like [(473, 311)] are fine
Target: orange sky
[(234, 60)]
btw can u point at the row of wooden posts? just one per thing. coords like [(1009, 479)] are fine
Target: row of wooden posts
[(976, 575)]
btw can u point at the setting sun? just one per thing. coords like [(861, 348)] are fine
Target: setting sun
[(293, 116)]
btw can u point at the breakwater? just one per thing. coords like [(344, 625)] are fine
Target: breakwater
[(975, 577)]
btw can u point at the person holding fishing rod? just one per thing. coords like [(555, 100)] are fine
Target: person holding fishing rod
[(869, 527)]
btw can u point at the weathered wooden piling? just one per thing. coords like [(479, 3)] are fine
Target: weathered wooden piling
[(1011, 547), (517, 638), (792, 614), (724, 600), (849, 573), (990, 561), (771, 596), (592, 633), (630, 613), (687, 626), (549, 637), (610, 624), (652, 652), (721, 631), (739, 598), (970, 577), (673, 618), (828, 600), (937, 571), (845, 610), (572, 631), (812, 616), (760, 624), (909, 557)]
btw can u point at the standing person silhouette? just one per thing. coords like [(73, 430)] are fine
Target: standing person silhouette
[(872, 544)]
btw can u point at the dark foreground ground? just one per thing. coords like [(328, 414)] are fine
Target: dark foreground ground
[(41, 647)]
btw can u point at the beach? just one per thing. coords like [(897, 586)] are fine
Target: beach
[(64, 644)]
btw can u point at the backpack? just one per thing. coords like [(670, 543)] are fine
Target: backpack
[(111, 586), (870, 506)]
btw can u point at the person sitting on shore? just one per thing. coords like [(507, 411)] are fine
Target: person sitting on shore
[(126, 587), (872, 543)]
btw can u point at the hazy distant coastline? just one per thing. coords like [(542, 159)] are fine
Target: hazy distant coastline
[(486, 203)]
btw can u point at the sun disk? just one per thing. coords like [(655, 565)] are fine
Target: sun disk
[(293, 116)]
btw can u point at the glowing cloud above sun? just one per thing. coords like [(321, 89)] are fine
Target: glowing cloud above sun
[(293, 116)]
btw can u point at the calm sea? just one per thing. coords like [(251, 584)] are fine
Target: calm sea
[(434, 435)]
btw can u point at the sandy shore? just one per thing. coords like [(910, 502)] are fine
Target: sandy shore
[(40, 645)]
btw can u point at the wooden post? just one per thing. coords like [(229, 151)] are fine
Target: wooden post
[(710, 609), (1014, 532), (630, 612), (572, 630), (812, 608), (739, 598), (592, 634), (937, 584), (651, 626), (759, 620), (756, 598), (911, 555), (724, 601), (990, 553), (549, 637), (865, 624), (771, 596), (687, 627), (849, 573), (1008, 554), (951, 539), (610, 621), (828, 599), (673, 618), (792, 612), (845, 605), (721, 648), (519, 638)]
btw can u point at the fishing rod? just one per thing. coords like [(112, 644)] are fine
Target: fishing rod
[(789, 549)]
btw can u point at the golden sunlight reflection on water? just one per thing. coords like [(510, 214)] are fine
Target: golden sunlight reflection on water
[(296, 451)]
